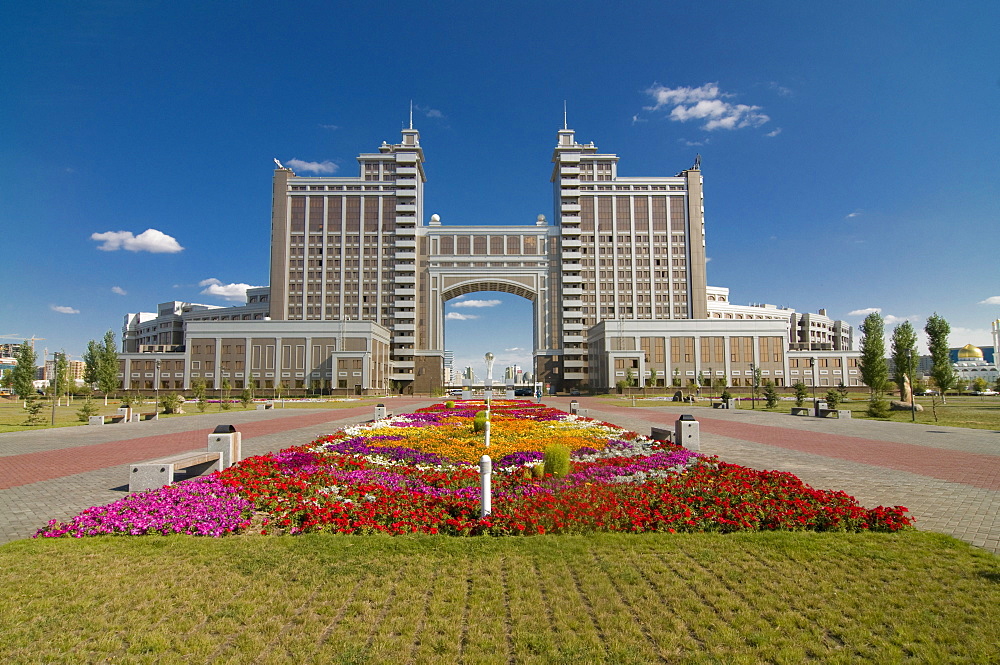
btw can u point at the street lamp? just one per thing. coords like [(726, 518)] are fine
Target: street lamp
[(753, 386), (156, 385), (812, 366)]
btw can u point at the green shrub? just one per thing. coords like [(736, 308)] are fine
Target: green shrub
[(450, 404), (87, 409), (800, 393), (832, 399), (878, 408), (726, 395), (556, 460), (171, 403), (538, 471), (479, 422), (770, 395), (33, 409)]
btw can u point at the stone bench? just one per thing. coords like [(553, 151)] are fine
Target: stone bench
[(838, 413), (265, 406), (801, 411), (106, 420), (157, 473), (152, 415), (661, 434)]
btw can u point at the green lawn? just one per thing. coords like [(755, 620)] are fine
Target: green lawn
[(12, 416), (964, 411), (610, 598)]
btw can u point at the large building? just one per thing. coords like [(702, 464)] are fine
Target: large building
[(359, 279)]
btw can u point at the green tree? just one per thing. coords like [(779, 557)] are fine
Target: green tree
[(629, 377), (91, 361), (247, 396), (874, 369), (7, 380), (33, 407), (107, 370), (200, 391), (24, 374), (770, 394), (651, 382), (800, 393), (942, 371), (979, 384), (832, 398), (224, 402), (59, 383), (904, 354), (87, 409)]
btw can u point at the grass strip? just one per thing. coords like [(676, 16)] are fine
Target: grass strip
[(690, 598)]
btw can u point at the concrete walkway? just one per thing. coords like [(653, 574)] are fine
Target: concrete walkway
[(948, 477)]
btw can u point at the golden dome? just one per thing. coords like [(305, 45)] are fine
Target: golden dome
[(969, 351)]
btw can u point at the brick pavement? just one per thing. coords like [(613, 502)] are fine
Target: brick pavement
[(949, 478)]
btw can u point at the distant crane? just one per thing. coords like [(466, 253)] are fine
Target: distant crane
[(21, 337)]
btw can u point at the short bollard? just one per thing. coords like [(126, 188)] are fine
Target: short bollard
[(380, 412), (486, 491), (487, 433), (574, 406)]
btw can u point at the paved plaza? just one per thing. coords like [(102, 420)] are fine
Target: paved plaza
[(948, 477)]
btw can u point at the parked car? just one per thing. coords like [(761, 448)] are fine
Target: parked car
[(985, 392), (523, 392)]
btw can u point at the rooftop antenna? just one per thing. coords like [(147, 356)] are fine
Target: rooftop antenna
[(411, 114), (565, 124)]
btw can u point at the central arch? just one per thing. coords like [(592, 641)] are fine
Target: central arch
[(505, 259)]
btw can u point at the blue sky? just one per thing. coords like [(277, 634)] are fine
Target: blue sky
[(850, 150)]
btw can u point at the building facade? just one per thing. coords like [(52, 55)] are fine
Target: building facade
[(617, 280)]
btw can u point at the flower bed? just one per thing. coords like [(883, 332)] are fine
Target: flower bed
[(416, 473)]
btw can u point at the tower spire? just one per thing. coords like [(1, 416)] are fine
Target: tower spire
[(411, 114), (565, 123)]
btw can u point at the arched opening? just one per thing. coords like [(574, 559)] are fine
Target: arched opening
[(489, 317)]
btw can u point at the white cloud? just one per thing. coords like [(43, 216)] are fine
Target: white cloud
[(706, 103), (780, 89), (119, 290), (150, 240), (326, 167), (992, 300), (232, 292), (856, 213), (330, 127), (978, 336), (456, 316), (864, 312), (475, 303), (637, 118), (774, 133), (892, 319), (62, 309)]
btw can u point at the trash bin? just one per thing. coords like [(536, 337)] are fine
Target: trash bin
[(687, 432), (226, 440), (574, 407)]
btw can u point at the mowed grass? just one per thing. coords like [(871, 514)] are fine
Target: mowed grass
[(12, 415), (610, 598), (964, 411)]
